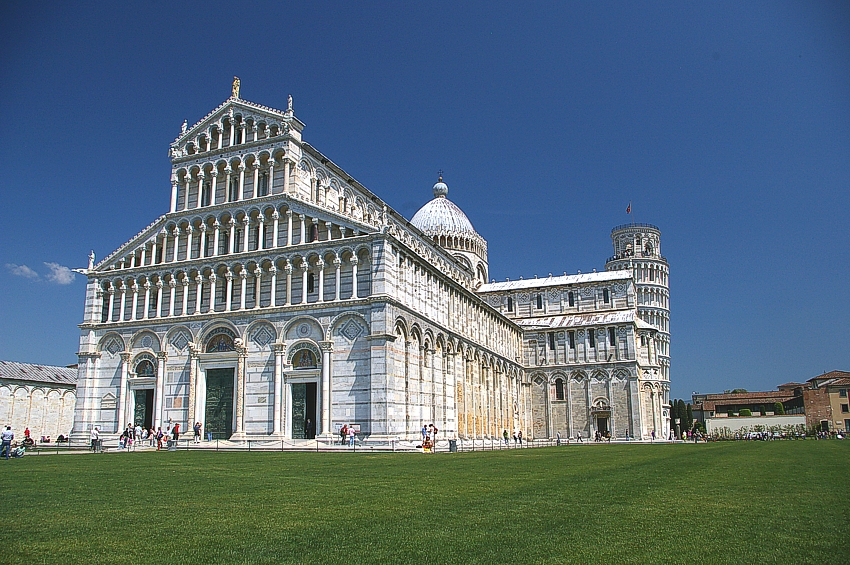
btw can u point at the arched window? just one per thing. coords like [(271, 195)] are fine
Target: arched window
[(612, 337), (263, 189), (205, 195), (311, 282), (571, 299), (510, 304), (145, 369), (559, 389), (313, 233), (232, 196), (591, 336), (606, 297), (539, 301)]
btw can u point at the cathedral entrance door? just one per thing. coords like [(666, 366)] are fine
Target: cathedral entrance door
[(143, 412), (218, 416), (304, 410), (602, 425)]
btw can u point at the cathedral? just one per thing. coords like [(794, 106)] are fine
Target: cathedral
[(280, 299)]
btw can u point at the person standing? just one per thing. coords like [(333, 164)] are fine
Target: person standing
[(559, 439), (505, 435), (197, 430), (175, 431), (343, 434), (308, 429), (95, 439), (352, 434), (519, 437), (159, 436), (6, 441)]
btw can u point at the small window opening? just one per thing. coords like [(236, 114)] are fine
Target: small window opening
[(612, 336), (559, 389), (510, 304), (311, 282), (572, 336), (571, 299), (552, 341), (606, 298), (591, 336), (539, 301)]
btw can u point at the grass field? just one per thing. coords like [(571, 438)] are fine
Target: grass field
[(746, 502)]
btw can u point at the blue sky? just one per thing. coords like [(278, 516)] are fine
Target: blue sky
[(725, 124)]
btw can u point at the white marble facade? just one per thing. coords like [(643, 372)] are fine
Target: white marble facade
[(278, 289)]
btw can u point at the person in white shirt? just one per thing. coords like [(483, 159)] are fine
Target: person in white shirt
[(6, 438), (95, 438)]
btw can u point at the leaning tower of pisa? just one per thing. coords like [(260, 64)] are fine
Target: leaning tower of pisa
[(637, 247)]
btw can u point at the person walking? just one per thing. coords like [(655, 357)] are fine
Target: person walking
[(519, 437), (159, 436), (197, 430), (6, 442), (559, 439), (352, 434), (505, 435)]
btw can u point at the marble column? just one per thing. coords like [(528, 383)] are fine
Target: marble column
[(189, 231), (276, 218), (288, 228), (288, 269), (321, 266), (240, 388), (184, 282), (193, 381), (122, 392), (279, 351), (327, 349), (172, 286), (228, 300), (354, 277), (159, 389), (147, 287), (272, 297), (243, 280)]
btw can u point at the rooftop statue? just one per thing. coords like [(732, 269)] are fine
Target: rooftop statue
[(235, 90)]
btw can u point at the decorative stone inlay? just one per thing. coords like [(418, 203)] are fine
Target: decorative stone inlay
[(351, 330), (262, 336), (587, 291), (113, 347), (304, 330), (538, 380), (147, 342), (179, 341), (620, 288), (555, 294)]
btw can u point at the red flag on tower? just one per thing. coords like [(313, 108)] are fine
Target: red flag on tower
[(629, 208)]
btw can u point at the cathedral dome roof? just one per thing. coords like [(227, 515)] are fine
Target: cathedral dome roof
[(441, 216)]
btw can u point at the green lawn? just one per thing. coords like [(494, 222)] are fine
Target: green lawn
[(745, 502)]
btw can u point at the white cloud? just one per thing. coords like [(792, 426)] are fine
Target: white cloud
[(22, 271), (59, 274)]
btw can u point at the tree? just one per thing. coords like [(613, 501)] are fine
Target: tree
[(683, 416), (738, 390), (690, 416), (778, 408), (762, 410), (746, 412), (674, 415)]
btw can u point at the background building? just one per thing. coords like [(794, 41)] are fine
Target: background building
[(39, 397)]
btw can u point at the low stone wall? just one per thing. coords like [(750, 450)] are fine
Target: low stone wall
[(713, 425)]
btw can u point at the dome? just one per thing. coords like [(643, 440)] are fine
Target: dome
[(441, 216)]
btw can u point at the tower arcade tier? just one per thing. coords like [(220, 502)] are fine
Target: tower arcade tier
[(637, 247)]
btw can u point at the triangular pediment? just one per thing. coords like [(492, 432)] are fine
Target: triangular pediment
[(246, 111)]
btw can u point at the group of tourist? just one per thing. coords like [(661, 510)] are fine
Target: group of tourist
[(135, 434), (347, 433), (517, 436)]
